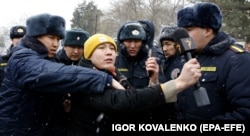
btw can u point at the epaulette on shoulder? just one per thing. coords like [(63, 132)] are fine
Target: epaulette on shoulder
[(3, 64), (236, 49)]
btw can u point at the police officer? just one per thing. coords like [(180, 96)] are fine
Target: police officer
[(70, 54), (173, 60), (32, 90), (172, 65), (72, 44), (224, 66), (134, 54), (149, 28), (16, 33), (131, 62)]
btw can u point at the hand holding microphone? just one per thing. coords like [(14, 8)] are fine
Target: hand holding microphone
[(185, 46)]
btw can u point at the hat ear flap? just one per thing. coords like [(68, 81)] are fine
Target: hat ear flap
[(119, 34)]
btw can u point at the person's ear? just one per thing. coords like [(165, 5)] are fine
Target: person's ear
[(207, 32)]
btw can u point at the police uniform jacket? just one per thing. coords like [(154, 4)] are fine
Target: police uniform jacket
[(225, 76), (134, 67), (62, 57), (33, 86), (172, 66), (4, 61)]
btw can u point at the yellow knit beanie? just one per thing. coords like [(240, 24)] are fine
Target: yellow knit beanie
[(94, 41)]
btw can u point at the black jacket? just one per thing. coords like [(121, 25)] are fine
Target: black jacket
[(92, 113)]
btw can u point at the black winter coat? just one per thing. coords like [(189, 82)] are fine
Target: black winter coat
[(93, 114)]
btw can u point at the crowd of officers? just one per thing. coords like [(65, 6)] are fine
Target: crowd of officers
[(222, 62)]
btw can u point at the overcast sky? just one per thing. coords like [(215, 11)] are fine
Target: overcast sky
[(13, 12)]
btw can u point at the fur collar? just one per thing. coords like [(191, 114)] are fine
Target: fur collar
[(219, 44)]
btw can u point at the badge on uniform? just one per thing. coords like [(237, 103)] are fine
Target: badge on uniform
[(78, 38), (135, 32), (20, 30), (175, 73)]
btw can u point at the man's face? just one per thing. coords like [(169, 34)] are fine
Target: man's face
[(168, 48), (51, 42), (15, 41), (132, 46), (199, 36), (103, 57), (247, 47), (74, 53)]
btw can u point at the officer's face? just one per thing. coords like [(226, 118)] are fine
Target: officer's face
[(51, 42), (199, 35), (104, 56), (132, 46), (15, 41), (168, 48), (247, 47), (74, 53)]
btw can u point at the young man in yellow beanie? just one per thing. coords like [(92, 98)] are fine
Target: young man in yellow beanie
[(94, 113), (33, 85)]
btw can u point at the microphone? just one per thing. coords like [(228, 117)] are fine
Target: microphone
[(185, 46)]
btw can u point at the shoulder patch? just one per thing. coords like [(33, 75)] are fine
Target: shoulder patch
[(3, 64), (236, 49), (123, 69)]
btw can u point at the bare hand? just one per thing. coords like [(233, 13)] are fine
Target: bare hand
[(190, 74), (67, 103), (153, 67), (117, 85)]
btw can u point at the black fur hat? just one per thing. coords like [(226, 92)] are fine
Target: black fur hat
[(167, 33), (17, 31), (202, 14), (43, 24), (75, 37), (132, 30)]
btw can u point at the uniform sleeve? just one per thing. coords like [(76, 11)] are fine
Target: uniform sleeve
[(31, 72)]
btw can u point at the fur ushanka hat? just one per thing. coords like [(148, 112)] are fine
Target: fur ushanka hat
[(44, 24), (75, 37), (17, 31), (202, 14), (132, 30)]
